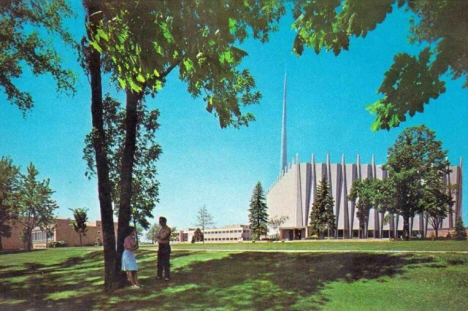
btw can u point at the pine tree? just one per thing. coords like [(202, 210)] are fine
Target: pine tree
[(9, 184), (258, 216), (460, 231), (321, 216)]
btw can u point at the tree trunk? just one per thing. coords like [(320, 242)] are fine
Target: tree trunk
[(1, 244), (29, 240), (94, 9), (126, 172), (406, 226)]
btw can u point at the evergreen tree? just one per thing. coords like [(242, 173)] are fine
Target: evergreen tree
[(322, 216), (79, 223), (460, 231), (258, 216), (198, 236), (9, 186)]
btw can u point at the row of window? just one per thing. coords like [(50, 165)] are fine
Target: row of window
[(39, 236), (227, 231), (222, 239)]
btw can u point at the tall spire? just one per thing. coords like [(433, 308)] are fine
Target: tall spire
[(284, 151)]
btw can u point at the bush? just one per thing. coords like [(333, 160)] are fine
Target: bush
[(460, 232), (314, 236), (57, 244)]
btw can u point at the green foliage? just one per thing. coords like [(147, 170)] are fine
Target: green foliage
[(321, 215), (9, 187), (145, 186), (22, 45), (80, 216), (153, 232), (204, 219), (35, 205), (363, 194), (258, 216), (438, 27), (144, 41), (416, 165), (437, 202), (460, 231), (54, 244), (198, 236)]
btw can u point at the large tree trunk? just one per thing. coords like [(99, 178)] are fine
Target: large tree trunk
[(94, 9), (406, 227), (126, 171)]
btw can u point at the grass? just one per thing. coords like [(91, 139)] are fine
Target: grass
[(335, 245), (71, 279)]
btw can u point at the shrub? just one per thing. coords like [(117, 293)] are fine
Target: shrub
[(460, 232), (57, 244)]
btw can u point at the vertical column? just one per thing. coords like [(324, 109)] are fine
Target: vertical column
[(345, 199), (284, 153)]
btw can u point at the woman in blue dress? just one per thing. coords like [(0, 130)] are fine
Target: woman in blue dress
[(129, 264)]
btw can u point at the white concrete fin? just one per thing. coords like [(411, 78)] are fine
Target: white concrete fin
[(373, 160), (358, 159), (461, 162), (328, 159), (312, 159), (343, 159), (297, 159)]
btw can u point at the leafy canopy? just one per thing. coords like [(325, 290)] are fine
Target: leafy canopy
[(22, 43), (144, 184), (145, 40), (439, 28), (414, 164)]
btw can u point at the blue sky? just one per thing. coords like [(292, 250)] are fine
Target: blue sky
[(202, 164)]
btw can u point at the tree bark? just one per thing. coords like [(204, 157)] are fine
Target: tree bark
[(94, 10), (406, 226), (126, 171)]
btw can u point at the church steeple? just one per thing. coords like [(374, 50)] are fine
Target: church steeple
[(284, 151)]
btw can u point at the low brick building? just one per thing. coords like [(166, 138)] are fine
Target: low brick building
[(14, 241), (62, 232)]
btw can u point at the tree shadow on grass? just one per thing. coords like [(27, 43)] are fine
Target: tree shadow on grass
[(263, 281), (239, 281)]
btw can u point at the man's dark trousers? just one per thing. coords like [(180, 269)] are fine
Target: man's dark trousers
[(164, 254)]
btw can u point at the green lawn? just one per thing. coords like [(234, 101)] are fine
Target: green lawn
[(335, 245), (71, 279)]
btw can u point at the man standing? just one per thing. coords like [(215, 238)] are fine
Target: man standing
[(164, 250)]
